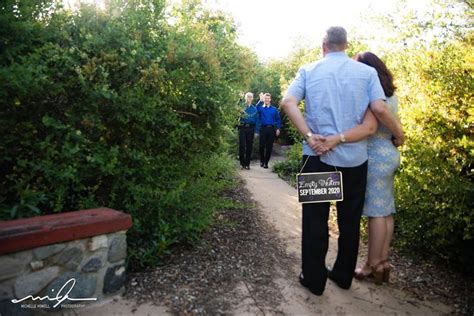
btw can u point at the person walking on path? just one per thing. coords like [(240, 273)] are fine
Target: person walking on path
[(248, 121), (337, 92), (270, 124)]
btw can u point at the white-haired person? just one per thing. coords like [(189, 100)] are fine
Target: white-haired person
[(248, 121)]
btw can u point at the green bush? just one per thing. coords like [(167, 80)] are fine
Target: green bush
[(288, 168), (435, 190), (124, 108)]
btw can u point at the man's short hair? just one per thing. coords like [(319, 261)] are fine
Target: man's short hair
[(268, 95), (336, 38), (249, 94)]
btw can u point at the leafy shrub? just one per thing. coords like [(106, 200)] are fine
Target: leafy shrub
[(124, 108), (435, 191), (288, 168)]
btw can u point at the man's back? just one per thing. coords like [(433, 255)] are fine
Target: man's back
[(337, 91)]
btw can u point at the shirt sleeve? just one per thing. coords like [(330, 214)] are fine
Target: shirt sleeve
[(297, 87), (257, 119), (375, 87), (277, 118), (241, 114)]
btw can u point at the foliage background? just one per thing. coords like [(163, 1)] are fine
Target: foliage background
[(434, 187), (134, 108), (128, 108)]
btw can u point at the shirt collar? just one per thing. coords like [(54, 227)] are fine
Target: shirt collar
[(336, 54), (266, 106)]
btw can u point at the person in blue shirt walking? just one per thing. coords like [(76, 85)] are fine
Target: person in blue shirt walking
[(248, 121), (270, 124)]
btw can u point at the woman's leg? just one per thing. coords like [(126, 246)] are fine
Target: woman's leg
[(377, 235), (389, 222)]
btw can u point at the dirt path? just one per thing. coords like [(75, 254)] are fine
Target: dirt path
[(277, 200)]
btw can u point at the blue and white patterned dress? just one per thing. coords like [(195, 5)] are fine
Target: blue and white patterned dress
[(384, 159)]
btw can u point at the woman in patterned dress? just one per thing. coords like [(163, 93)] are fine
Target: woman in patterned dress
[(379, 205), (383, 160)]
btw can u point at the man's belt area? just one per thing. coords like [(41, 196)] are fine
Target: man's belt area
[(247, 125), (268, 126)]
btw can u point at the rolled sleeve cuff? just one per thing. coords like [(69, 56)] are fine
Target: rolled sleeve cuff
[(296, 88)]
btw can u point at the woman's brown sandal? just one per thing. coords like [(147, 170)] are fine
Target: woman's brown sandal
[(376, 271), (386, 270)]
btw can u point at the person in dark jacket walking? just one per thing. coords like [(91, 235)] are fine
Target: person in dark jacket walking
[(248, 121)]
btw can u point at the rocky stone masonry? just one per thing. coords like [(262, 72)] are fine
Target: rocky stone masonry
[(97, 264), (62, 258)]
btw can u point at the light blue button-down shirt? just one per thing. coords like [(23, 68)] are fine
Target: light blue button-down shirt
[(337, 91)]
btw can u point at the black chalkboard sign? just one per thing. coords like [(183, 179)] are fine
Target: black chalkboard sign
[(319, 187)]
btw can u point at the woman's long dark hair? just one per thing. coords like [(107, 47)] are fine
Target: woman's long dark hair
[(385, 76)]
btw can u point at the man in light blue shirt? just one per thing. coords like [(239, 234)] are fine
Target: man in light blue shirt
[(337, 92)]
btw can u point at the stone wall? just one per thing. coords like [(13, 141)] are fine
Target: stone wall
[(96, 264)]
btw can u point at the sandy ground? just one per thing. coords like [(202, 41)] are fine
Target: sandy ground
[(278, 202)]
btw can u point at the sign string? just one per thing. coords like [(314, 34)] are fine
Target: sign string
[(307, 157), (332, 202)]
